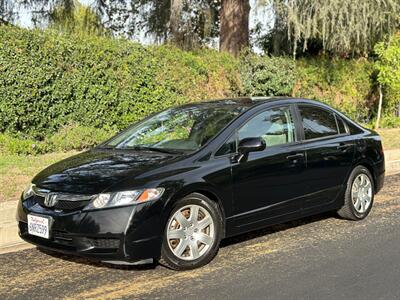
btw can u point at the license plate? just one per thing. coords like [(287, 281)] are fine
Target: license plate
[(39, 226)]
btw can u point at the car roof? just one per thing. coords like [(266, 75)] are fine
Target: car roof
[(247, 103), (254, 101)]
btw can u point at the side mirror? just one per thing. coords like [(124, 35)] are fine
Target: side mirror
[(251, 145)]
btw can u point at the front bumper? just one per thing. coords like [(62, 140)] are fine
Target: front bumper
[(130, 233)]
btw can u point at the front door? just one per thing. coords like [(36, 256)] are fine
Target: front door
[(269, 184)]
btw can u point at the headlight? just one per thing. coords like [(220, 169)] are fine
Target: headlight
[(28, 192), (124, 198)]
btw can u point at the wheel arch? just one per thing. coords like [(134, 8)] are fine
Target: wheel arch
[(370, 167), (199, 188)]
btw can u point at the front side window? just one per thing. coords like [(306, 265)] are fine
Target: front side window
[(182, 128), (317, 122), (275, 126), (228, 147)]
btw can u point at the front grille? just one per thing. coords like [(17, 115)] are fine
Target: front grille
[(62, 204), (70, 205)]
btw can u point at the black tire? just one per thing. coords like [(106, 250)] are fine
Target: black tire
[(169, 259), (348, 210)]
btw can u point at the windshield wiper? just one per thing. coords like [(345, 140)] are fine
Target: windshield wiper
[(155, 149)]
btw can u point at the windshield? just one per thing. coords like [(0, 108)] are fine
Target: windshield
[(182, 128)]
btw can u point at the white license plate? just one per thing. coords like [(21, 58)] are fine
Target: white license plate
[(39, 226)]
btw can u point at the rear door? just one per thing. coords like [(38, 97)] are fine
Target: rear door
[(329, 151)]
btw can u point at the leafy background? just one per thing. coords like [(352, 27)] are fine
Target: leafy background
[(70, 91)]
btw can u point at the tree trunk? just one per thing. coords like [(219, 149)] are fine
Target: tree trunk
[(378, 117), (234, 32)]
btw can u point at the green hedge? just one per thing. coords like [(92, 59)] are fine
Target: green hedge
[(267, 76), (388, 66), (50, 80), (62, 92), (348, 85), (71, 137)]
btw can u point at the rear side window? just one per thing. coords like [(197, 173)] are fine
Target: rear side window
[(341, 126), (317, 122)]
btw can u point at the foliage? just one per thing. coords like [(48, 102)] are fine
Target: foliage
[(390, 121), (345, 84), (388, 67), (71, 137), (51, 80), (344, 27), (267, 76), (14, 145), (70, 91), (75, 137), (187, 23)]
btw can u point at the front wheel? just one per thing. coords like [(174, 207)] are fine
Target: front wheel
[(192, 233), (359, 196)]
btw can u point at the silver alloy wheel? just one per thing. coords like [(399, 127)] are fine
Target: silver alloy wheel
[(190, 232), (361, 193)]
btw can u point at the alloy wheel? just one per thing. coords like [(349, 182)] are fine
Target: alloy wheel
[(361, 193), (190, 232)]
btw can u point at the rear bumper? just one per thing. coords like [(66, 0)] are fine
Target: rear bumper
[(127, 234)]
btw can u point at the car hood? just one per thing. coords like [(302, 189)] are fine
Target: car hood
[(95, 171)]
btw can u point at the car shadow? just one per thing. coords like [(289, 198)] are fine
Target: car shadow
[(275, 229), (224, 243), (95, 263)]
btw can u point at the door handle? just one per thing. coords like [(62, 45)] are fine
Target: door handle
[(295, 156)]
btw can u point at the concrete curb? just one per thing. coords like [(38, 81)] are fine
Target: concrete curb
[(10, 241), (393, 166)]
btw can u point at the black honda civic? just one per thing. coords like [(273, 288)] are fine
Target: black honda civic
[(171, 186)]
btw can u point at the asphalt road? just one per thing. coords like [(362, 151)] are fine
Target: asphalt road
[(316, 258)]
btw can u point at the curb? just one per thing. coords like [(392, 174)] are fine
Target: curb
[(393, 166), (9, 238), (10, 241)]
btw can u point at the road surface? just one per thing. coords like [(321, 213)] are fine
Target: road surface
[(315, 258)]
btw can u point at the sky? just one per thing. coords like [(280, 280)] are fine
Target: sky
[(263, 15)]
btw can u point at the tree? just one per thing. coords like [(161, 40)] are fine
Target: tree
[(344, 27), (81, 20), (187, 23), (234, 30), (7, 13)]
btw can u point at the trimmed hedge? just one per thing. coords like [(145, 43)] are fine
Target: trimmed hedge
[(268, 76), (50, 80), (388, 66), (348, 85), (61, 92)]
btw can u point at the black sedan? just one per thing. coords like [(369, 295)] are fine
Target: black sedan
[(170, 187)]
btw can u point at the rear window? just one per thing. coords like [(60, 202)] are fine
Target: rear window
[(317, 122)]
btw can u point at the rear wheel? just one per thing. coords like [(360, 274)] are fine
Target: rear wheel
[(359, 195), (192, 233)]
